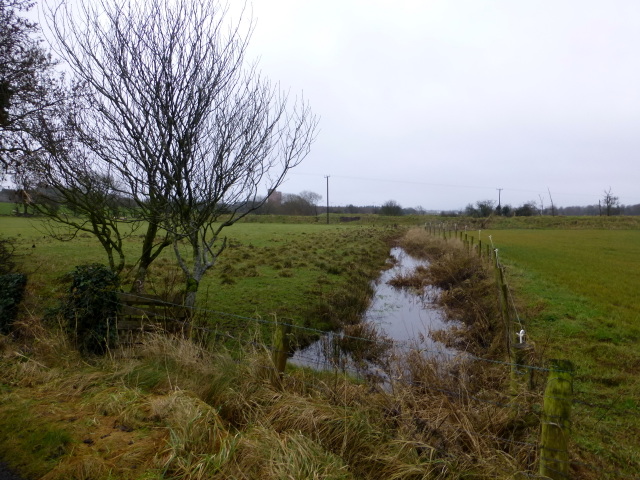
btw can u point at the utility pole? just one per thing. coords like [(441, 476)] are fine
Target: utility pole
[(553, 209), (499, 205), (327, 177)]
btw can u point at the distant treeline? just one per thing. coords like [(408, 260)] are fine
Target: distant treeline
[(486, 208), (596, 210), (306, 203)]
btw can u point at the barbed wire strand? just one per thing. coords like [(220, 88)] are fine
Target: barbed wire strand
[(339, 334), (359, 374)]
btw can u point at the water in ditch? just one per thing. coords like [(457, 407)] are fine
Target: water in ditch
[(403, 315)]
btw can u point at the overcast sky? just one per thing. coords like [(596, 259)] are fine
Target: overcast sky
[(438, 103)]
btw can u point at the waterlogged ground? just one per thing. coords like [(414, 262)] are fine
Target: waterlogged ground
[(405, 316)]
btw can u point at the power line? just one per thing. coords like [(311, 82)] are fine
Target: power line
[(452, 185)]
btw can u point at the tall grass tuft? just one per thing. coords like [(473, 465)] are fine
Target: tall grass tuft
[(199, 445), (466, 290)]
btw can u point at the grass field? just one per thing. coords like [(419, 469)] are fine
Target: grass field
[(575, 288), (7, 208), (172, 408), (314, 275), (582, 303)]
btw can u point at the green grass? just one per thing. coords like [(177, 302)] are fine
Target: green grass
[(581, 302), (591, 276), (34, 450), (576, 290), (7, 208), (291, 271)]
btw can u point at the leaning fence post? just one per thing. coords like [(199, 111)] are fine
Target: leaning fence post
[(554, 439), (508, 326)]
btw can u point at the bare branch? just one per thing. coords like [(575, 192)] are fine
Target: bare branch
[(171, 111)]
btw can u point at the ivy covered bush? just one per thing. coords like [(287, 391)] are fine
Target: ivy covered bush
[(91, 306), (12, 285), (7, 256), (11, 291)]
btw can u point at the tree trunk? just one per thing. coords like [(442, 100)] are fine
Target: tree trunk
[(147, 257), (191, 293)]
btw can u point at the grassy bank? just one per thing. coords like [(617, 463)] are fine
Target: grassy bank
[(545, 222), (579, 291), (169, 408)]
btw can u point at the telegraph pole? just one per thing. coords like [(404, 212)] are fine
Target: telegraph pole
[(327, 177)]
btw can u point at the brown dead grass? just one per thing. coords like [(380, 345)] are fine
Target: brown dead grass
[(170, 408)]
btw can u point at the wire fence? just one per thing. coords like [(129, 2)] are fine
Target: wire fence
[(587, 412), (330, 356), (368, 371)]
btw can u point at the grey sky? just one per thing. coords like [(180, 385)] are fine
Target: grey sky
[(439, 103)]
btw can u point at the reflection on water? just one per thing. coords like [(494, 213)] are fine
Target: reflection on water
[(404, 315), (401, 313)]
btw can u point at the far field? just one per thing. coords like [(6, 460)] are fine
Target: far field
[(580, 300)]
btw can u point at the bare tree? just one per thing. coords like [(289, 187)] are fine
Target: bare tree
[(183, 127), (75, 197), (29, 87), (25, 183), (303, 203), (391, 207), (483, 208), (611, 202), (541, 209), (527, 209), (311, 199)]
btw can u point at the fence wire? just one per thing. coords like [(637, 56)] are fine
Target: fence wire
[(360, 374)]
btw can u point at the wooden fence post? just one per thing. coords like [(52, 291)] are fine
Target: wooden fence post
[(509, 333), (554, 439), (280, 347)]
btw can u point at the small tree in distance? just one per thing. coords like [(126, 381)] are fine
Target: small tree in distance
[(611, 203), (304, 203), (527, 209), (391, 208), (483, 208)]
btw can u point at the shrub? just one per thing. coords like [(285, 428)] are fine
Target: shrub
[(391, 208), (11, 291), (7, 249), (91, 306)]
